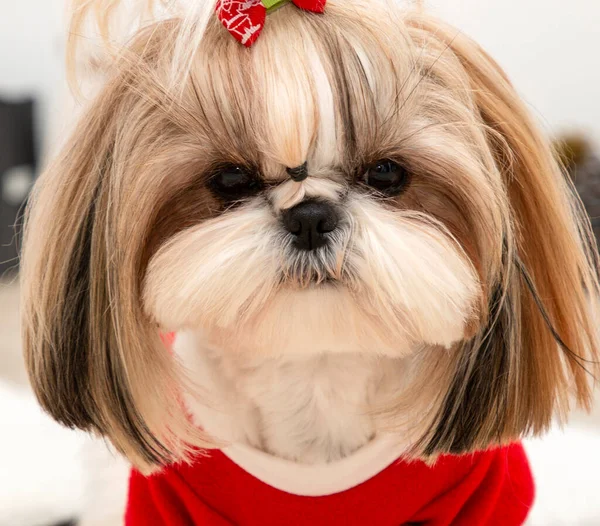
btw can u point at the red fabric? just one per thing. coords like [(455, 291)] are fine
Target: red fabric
[(245, 19), (168, 339), (316, 6), (491, 488)]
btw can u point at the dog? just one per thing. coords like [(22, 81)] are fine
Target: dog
[(376, 274)]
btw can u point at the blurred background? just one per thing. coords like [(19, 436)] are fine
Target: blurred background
[(51, 476)]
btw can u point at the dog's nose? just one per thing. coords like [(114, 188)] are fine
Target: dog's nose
[(310, 222)]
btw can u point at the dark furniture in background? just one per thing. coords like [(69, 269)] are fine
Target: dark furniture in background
[(17, 168), (582, 161)]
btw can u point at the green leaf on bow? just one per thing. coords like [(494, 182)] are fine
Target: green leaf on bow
[(271, 5)]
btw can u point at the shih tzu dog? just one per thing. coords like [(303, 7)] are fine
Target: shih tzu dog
[(377, 275)]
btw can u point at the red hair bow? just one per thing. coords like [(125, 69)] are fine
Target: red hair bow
[(245, 19)]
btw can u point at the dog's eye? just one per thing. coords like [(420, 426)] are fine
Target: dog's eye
[(387, 176), (234, 182)]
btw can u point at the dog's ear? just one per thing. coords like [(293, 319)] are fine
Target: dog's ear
[(95, 360), (538, 350)]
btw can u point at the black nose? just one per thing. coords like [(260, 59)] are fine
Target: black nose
[(310, 222)]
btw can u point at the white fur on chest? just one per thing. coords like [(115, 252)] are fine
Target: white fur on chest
[(311, 409)]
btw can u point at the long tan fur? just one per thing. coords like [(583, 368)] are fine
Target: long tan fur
[(515, 376)]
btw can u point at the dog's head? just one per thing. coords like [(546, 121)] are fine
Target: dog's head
[(365, 180)]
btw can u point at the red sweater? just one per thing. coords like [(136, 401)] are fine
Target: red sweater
[(493, 487)]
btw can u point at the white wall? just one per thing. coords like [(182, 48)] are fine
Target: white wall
[(550, 49)]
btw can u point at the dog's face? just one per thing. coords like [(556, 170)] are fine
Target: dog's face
[(363, 180), (350, 202)]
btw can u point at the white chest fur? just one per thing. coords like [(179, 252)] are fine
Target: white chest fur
[(311, 409)]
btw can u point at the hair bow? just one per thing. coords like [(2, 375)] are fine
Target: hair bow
[(245, 19)]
